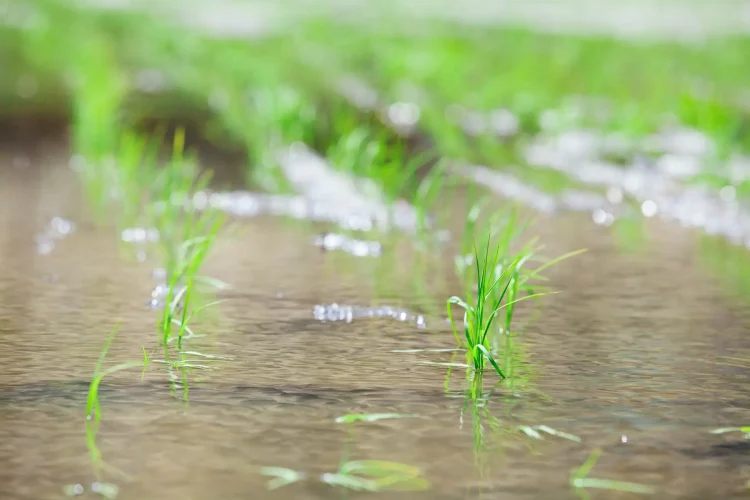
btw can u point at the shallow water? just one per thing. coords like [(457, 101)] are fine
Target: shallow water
[(644, 352)]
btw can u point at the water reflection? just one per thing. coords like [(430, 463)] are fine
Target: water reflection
[(645, 345)]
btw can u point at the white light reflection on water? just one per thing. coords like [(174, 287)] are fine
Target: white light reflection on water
[(654, 175), (337, 312), (57, 229)]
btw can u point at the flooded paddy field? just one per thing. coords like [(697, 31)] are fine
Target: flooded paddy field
[(280, 329)]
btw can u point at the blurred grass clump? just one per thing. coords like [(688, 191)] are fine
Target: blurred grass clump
[(104, 68)]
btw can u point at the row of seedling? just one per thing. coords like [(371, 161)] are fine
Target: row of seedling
[(158, 199)]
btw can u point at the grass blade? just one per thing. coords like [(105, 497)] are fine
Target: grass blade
[(491, 360)]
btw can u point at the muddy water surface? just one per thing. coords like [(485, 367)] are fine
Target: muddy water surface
[(642, 355)]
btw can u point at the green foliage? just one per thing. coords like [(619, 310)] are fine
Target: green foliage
[(495, 284)]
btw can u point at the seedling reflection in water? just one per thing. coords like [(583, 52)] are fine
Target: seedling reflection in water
[(580, 481), (371, 417), (187, 360), (93, 416), (745, 430), (357, 475)]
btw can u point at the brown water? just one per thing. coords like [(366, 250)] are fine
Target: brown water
[(644, 346)]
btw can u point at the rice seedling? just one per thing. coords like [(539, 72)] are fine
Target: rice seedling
[(162, 198), (374, 155), (181, 304), (396, 172), (267, 120), (580, 481), (186, 362), (495, 291), (472, 225), (427, 194), (442, 64), (501, 279), (356, 150), (178, 308), (186, 234)]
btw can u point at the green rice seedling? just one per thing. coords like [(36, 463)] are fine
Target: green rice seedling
[(169, 206), (580, 481), (428, 191), (185, 235), (519, 373), (472, 226), (178, 307), (97, 90), (450, 141), (443, 62), (186, 361), (96, 85), (356, 150), (503, 280), (136, 173), (279, 116), (482, 308), (397, 175), (178, 313), (367, 153)]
